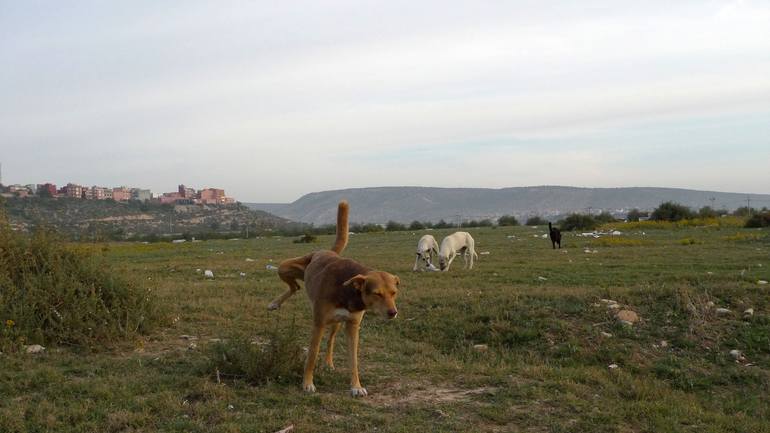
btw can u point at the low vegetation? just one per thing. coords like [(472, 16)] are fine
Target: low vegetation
[(52, 293)]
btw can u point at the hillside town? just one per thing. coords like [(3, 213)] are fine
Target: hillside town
[(183, 194)]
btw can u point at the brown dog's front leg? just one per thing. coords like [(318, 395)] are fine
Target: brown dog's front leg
[(330, 345), (352, 328), (312, 355)]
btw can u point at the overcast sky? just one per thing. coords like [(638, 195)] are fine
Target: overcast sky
[(272, 100)]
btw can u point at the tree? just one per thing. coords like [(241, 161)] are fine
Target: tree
[(635, 214), (707, 212), (604, 218), (416, 225), (759, 220), (671, 211), (507, 220), (578, 221), (394, 226), (535, 221), (744, 211), (442, 224)]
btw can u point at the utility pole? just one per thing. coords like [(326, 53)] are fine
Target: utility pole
[(712, 199), (748, 204)]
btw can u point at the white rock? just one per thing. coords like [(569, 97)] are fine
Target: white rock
[(271, 267), (608, 301), (625, 323), (616, 233), (480, 347), (612, 366), (587, 251), (192, 346), (243, 274), (542, 278), (737, 355), (545, 236), (613, 306), (198, 270), (663, 343), (723, 311), (761, 282), (208, 274), (710, 304), (34, 348), (749, 312), (606, 334), (249, 260)]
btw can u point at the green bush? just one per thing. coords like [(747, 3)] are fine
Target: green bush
[(670, 211), (535, 221), (759, 220), (507, 220), (307, 238), (578, 221), (393, 226), (276, 358), (416, 225), (51, 293), (635, 214), (442, 225)]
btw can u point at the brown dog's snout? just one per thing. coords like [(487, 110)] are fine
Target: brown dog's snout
[(392, 313)]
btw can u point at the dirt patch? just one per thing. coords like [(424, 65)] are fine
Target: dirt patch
[(398, 394)]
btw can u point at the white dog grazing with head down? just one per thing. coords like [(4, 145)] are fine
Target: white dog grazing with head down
[(426, 247), (457, 243)]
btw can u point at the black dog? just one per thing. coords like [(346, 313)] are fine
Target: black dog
[(555, 235)]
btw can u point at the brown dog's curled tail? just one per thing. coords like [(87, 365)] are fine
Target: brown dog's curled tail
[(342, 227)]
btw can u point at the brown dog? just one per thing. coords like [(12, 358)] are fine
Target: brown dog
[(340, 290)]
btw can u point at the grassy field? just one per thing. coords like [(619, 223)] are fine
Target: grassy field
[(550, 341)]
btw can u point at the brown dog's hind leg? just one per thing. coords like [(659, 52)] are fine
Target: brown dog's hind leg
[(290, 271), (330, 345), (312, 356)]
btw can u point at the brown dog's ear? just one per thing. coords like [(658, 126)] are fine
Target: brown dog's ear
[(398, 280), (358, 282)]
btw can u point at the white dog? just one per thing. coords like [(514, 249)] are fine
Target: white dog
[(426, 247), (457, 243)]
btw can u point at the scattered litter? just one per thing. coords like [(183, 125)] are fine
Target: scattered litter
[(230, 407), (761, 282), (271, 267), (242, 274), (612, 366), (249, 260), (545, 236), (709, 273), (208, 274), (587, 251), (480, 347), (34, 348), (613, 306), (511, 236), (542, 278), (484, 253), (737, 355), (179, 241), (287, 429), (616, 233), (198, 270), (748, 313), (710, 304), (608, 301), (188, 337), (192, 346), (606, 334), (723, 311)]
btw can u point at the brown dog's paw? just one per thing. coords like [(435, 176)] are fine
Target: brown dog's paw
[(308, 388), (358, 392)]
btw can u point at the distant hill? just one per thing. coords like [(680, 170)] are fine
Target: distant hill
[(405, 204), (107, 219)]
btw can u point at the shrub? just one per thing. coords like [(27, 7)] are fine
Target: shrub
[(759, 220), (278, 358), (416, 225), (635, 214), (393, 226), (507, 220), (54, 294), (670, 211), (578, 221), (535, 221), (442, 225), (707, 212), (744, 211), (305, 239), (604, 218)]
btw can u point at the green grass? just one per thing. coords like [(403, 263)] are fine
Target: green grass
[(546, 369)]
